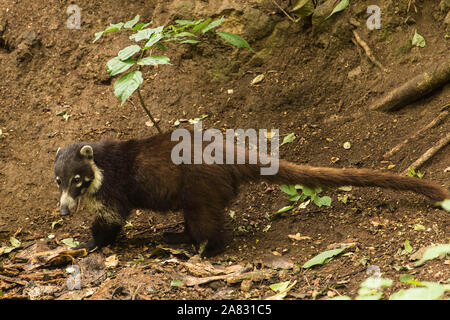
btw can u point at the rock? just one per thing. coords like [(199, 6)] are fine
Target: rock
[(277, 262), (276, 39), (257, 24)]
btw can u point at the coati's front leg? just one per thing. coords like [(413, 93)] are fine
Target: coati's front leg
[(105, 228), (103, 234)]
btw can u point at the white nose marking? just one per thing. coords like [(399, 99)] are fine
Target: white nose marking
[(67, 200)]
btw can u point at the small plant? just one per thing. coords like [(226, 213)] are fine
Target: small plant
[(132, 58), (413, 173), (313, 194)]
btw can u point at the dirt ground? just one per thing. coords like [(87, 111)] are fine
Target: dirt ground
[(318, 84)]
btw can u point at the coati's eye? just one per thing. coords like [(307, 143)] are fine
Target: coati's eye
[(58, 180), (77, 179)]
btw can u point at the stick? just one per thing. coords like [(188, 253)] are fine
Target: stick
[(284, 11), (429, 153), (415, 88), (12, 280), (368, 51), (436, 121)]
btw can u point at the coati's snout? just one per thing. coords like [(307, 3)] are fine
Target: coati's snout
[(76, 175)]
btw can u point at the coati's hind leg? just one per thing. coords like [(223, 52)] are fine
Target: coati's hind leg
[(202, 226), (205, 226)]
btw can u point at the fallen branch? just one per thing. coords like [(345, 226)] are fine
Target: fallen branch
[(415, 88), (12, 280), (368, 52), (436, 121), (284, 11), (429, 153)]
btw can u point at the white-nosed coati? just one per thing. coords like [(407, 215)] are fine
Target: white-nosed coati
[(116, 177)]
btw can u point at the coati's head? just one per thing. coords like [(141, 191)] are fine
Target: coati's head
[(76, 174)]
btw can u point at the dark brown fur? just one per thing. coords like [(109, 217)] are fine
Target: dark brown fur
[(140, 174)]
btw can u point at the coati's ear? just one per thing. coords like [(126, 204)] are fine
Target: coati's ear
[(87, 152), (57, 151)]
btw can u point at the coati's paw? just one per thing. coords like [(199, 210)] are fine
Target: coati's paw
[(210, 249), (176, 237), (88, 245)]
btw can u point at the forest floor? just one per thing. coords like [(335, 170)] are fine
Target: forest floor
[(317, 84)]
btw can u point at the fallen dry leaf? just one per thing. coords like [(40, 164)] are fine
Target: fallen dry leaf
[(298, 237)]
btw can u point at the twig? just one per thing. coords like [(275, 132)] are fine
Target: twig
[(12, 280), (148, 112), (436, 121), (141, 100), (422, 84), (429, 153), (284, 11), (368, 51)]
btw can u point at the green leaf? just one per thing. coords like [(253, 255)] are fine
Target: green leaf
[(190, 41), (323, 257), (376, 283), (185, 22), (153, 61), (153, 40), (406, 278), (14, 245), (57, 222), (235, 40), (141, 26), (201, 25), (97, 36), (111, 28), (341, 6), (303, 8), (175, 283), (445, 205), (213, 24), (160, 46), (308, 191), (433, 252), (282, 293), (289, 189), (280, 286), (285, 209), (294, 197), (127, 84), (418, 40), (373, 296), (185, 34), (145, 34), (408, 247), (70, 242), (288, 139), (321, 201), (130, 24), (116, 66), (431, 291), (128, 52)]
